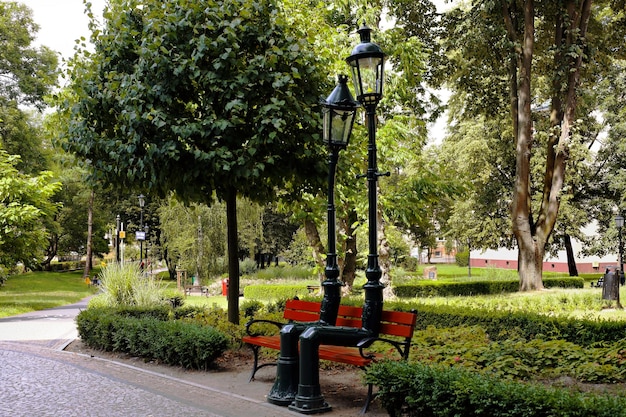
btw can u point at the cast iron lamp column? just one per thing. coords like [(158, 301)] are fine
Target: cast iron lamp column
[(338, 112), (367, 62), (142, 202)]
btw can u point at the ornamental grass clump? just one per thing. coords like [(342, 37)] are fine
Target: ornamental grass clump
[(124, 285)]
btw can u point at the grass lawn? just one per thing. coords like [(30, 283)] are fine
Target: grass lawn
[(40, 290)]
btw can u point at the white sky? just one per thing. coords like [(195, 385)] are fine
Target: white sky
[(61, 22)]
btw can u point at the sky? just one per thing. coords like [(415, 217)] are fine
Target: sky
[(61, 22)]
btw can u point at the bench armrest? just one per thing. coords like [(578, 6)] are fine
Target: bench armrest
[(252, 322), (401, 348)]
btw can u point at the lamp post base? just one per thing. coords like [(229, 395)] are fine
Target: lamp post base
[(313, 404)]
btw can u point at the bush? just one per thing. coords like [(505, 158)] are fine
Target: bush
[(429, 288), (168, 341), (462, 258), (416, 389), (275, 292)]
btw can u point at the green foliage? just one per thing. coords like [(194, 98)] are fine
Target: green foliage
[(276, 291), (429, 288), (25, 203), (216, 97), (285, 272), (124, 285), (462, 258), (417, 389), (171, 342)]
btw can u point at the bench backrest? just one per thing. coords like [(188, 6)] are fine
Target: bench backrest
[(393, 323)]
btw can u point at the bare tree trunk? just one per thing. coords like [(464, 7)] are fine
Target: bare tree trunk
[(348, 265), (384, 252), (89, 254), (571, 262), (313, 236)]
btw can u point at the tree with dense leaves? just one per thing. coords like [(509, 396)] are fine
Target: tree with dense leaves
[(209, 100), (549, 50)]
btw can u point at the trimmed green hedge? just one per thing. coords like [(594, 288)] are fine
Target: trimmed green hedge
[(428, 288), (275, 292), (171, 342), (500, 324), (416, 389)]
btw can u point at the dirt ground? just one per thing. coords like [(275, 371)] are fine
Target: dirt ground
[(342, 386)]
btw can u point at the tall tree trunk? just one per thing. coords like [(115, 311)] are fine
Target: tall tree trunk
[(571, 261), (384, 252), (313, 236), (233, 260), (348, 266), (88, 261)]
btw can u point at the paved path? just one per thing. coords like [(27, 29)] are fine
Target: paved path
[(37, 378)]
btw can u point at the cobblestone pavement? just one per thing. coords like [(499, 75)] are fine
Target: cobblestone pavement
[(38, 378), (36, 381)]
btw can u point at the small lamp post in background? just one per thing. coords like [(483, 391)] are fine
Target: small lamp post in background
[(619, 223), (140, 238), (367, 63), (338, 111)]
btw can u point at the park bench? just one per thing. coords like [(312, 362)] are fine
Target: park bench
[(396, 329), (598, 284), (197, 288)]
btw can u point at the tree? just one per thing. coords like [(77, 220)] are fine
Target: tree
[(25, 203), (548, 52), (26, 73), (207, 100)]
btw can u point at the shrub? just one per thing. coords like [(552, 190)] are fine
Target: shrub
[(462, 258), (275, 292), (417, 389), (171, 342)]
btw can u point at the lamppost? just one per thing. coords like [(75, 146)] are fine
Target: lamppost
[(142, 202), (367, 62), (117, 237), (619, 223), (338, 111)]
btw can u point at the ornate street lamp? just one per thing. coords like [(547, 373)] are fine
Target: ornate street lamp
[(367, 61), (338, 111), (142, 202)]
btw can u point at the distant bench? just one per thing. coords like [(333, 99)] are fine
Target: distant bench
[(197, 288), (598, 284), (396, 329)]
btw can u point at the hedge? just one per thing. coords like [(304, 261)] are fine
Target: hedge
[(428, 288), (171, 342), (416, 389), (274, 292)]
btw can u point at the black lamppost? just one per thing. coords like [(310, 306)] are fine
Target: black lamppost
[(367, 62), (142, 202), (118, 223), (338, 111)]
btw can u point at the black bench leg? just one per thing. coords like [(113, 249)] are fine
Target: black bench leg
[(368, 400), (255, 366)]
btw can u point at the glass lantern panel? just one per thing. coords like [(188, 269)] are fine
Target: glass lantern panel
[(341, 126)]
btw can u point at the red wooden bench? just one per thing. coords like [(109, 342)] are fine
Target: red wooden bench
[(396, 329)]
